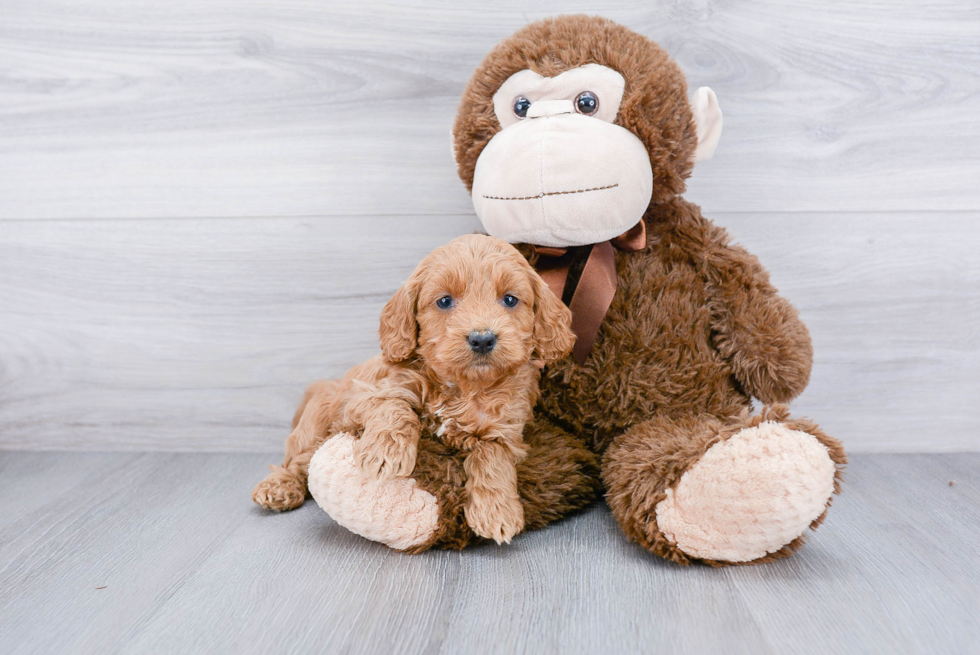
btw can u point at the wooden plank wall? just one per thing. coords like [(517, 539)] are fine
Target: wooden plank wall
[(204, 205)]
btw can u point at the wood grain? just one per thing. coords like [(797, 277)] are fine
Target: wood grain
[(898, 514), (188, 564), (203, 206), (202, 334), (237, 108), (193, 333), (892, 301)]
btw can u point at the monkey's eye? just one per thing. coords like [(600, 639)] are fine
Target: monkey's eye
[(510, 301), (586, 103), (445, 302), (521, 105)]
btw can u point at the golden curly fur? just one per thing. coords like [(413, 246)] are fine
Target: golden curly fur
[(430, 378)]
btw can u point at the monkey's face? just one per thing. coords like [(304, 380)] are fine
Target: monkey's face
[(560, 172), (573, 126)]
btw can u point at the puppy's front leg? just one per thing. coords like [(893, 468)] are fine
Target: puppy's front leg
[(493, 508), (389, 443)]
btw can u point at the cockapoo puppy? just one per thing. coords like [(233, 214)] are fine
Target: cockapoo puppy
[(463, 342)]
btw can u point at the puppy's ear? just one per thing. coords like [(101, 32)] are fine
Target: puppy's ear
[(553, 335), (399, 329)]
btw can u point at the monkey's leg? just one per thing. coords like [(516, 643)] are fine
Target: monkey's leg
[(426, 510), (722, 491), (285, 487)]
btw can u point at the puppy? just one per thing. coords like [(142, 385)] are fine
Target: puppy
[(462, 345)]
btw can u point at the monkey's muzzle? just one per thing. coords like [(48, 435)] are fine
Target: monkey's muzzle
[(561, 179)]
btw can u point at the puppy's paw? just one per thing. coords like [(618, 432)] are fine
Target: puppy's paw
[(385, 454), (279, 491), (494, 515)]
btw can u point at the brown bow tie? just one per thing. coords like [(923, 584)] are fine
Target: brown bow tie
[(596, 287)]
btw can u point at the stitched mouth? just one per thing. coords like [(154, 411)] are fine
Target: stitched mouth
[(553, 193)]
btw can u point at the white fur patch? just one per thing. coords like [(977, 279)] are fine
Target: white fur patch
[(396, 512), (750, 495)]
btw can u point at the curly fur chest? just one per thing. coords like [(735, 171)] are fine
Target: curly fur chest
[(459, 422)]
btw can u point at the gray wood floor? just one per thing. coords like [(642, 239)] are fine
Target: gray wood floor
[(164, 553)]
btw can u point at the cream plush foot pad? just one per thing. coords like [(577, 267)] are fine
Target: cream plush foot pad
[(750, 495), (396, 513)]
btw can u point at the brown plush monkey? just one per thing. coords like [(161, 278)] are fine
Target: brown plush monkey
[(575, 137)]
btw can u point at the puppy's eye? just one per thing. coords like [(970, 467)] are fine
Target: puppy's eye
[(510, 301), (521, 105), (445, 302), (586, 103)]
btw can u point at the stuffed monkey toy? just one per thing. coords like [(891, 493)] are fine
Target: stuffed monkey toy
[(575, 137)]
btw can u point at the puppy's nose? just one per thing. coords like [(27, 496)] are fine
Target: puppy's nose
[(482, 342)]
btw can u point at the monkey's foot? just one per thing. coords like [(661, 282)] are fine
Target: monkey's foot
[(750, 496), (395, 512)]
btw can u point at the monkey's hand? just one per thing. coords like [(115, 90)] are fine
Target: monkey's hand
[(756, 330)]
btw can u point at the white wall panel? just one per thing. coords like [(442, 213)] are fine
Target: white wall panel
[(204, 205)]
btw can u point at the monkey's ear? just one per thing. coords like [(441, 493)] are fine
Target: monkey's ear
[(452, 145), (399, 329), (707, 117)]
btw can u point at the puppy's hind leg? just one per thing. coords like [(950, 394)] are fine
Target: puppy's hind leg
[(316, 418)]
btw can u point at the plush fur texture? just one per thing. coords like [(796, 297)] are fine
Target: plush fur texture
[(393, 511), (558, 475), (694, 332), (653, 456), (695, 329), (430, 377), (741, 500), (654, 105)]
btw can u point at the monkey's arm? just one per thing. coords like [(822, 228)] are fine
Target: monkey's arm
[(756, 330)]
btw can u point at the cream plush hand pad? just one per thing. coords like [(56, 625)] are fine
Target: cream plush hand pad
[(396, 513), (750, 495)]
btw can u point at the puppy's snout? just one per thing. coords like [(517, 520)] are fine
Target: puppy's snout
[(482, 342)]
